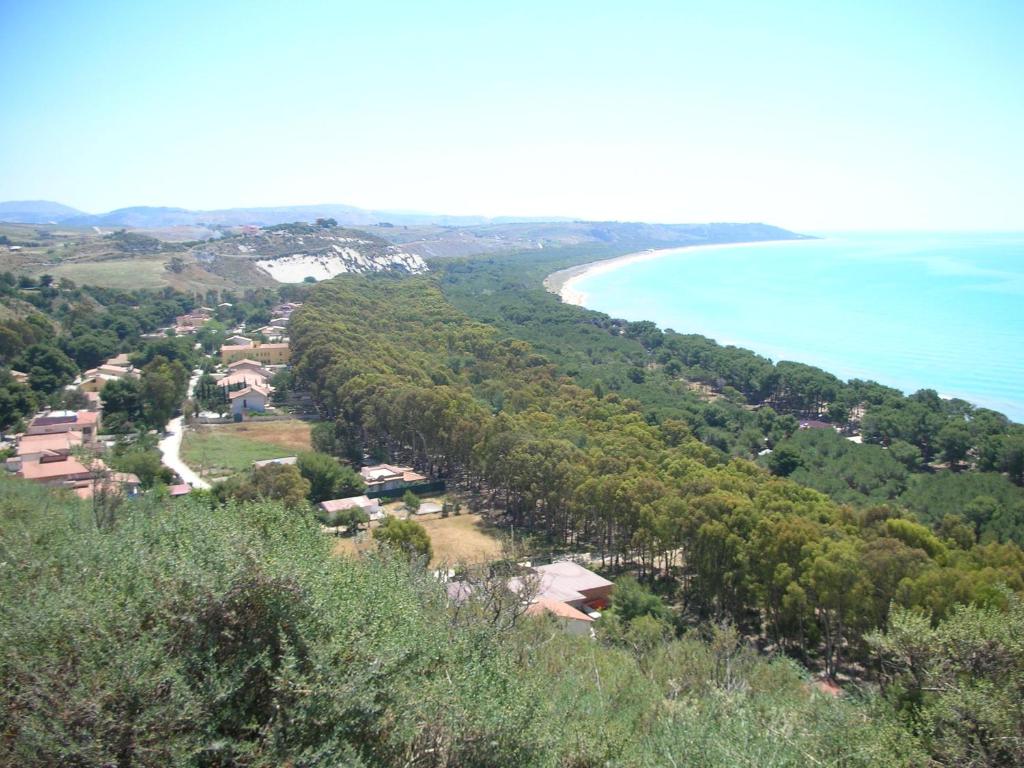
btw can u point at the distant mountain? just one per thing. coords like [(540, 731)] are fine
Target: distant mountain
[(35, 211), (152, 217)]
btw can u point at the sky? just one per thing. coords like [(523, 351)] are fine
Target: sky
[(809, 115)]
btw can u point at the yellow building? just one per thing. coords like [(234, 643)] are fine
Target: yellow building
[(267, 354)]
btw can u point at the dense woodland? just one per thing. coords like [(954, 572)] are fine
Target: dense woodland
[(742, 404), (591, 472)]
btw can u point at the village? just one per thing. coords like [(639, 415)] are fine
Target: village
[(66, 449)]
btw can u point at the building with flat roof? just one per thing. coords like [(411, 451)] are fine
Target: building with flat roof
[(387, 477), (370, 506), (266, 354), (55, 422)]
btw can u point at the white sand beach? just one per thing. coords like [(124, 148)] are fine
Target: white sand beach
[(565, 282)]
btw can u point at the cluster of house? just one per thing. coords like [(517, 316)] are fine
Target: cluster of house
[(251, 364), (379, 479), (572, 595), (196, 319), (59, 448), (247, 384), (117, 367), (274, 351)]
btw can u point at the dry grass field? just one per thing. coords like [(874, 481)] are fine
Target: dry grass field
[(292, 434), (464, 539)]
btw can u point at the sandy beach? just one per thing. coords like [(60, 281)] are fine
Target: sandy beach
[(565, 281)]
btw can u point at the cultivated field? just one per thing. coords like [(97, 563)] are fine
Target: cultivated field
[(223, 449)]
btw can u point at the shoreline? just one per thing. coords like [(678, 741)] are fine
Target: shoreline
[(563, 282)]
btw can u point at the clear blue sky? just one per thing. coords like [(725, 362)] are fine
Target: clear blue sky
[(811, 115)]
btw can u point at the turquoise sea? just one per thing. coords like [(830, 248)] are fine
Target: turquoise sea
[(942, 311)]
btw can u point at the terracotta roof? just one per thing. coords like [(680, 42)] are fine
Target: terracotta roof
[(245, 362), (180, 490), (544, 605), (53, 470), (61, 441), (567, 581), (242, 377), (87, 418), (248, 391)]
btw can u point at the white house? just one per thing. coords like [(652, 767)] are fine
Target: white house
[(370, 506), (254, 398)]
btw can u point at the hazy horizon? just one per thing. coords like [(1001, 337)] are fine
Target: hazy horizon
[(816, 119)]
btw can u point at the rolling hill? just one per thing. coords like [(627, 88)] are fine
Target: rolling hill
[(155, 217)]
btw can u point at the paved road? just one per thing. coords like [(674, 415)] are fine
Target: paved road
[(170, 447)]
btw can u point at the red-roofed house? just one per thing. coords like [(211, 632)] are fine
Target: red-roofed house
[(57, 469), (574, 621), (575, 585), (56, 422), (245, 364), (31, 447), (244, 378)]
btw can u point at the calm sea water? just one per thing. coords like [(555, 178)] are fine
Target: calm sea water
[(943, 311)]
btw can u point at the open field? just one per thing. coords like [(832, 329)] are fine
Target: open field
[(122, 273), (460, 539), (227, 448), (293, 434)]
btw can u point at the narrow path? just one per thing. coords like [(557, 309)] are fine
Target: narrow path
[(170, 447)]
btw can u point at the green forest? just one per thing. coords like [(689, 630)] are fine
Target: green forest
[(724, 540), (967, 462)]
